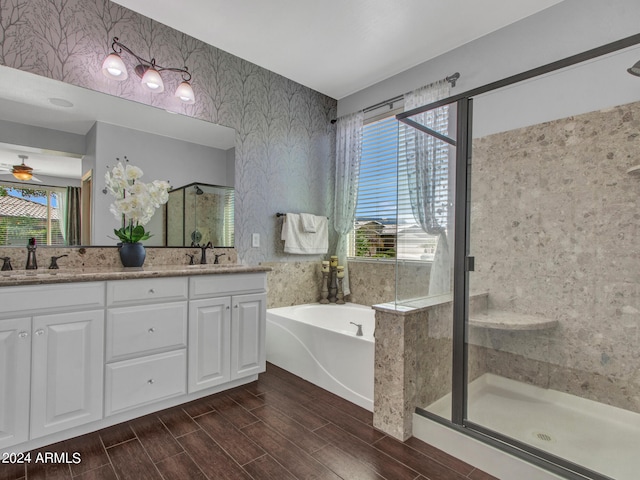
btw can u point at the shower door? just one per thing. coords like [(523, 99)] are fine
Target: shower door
[(554, 299), (545, 322)]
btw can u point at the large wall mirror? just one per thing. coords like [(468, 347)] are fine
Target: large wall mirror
[(70, 136)]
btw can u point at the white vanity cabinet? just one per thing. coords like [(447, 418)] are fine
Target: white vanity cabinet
[(146, 341), (15, 368), (66, 371), (52, 355), (227, 321), (84, 355)]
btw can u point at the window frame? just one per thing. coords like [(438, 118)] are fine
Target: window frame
[(369, 120)]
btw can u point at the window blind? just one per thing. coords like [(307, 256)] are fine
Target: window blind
[(29, 212), (384, 224)]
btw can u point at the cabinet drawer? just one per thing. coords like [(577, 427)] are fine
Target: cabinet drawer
[(152, 290), (85, 296), (132, 383), (145, 329), (204, 286)]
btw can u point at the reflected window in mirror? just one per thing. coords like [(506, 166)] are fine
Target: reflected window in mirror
[(48, 214)]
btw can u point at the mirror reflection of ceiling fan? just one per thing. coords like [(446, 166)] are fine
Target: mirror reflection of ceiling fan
[(22, 172)]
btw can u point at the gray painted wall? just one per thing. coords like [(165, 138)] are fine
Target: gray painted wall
[(567, 28), (44, 138)]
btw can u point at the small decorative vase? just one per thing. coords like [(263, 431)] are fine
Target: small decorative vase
[(132, 254)]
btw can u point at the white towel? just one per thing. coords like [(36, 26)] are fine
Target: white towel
[(299, 242), (308, 222)]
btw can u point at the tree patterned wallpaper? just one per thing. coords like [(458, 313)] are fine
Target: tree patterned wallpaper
[(285, 142)]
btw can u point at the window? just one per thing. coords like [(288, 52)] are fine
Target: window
[(384, 225), (27, 212)]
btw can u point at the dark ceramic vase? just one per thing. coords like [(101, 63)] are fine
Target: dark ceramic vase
[(132, 254)]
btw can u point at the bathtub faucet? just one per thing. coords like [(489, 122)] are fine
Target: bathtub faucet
[(359, 325)]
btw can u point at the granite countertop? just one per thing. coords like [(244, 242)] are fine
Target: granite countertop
[(97, 274)]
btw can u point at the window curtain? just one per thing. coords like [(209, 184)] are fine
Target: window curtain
[(424, 167), (348, 154), (71, 214)]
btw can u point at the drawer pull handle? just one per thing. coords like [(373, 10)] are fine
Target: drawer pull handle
[(151, 381), (151, 290), (39, 332), (23, 335), (152, 330), (235, 306)]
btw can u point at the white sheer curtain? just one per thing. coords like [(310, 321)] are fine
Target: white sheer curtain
[(424, 167), (348, 154)]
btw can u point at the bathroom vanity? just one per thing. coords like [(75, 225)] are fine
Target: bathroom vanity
[(83, 350)]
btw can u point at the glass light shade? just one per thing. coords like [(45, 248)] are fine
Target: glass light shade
[(23, 175), (113, 68), (185, 93), (152, 81), (635, 70)]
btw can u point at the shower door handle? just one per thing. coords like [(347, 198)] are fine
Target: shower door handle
[(471, 264)]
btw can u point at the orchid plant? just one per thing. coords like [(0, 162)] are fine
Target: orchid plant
[(135, 201)]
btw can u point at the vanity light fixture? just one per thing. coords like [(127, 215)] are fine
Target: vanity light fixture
[(114, 68), (635, 70)]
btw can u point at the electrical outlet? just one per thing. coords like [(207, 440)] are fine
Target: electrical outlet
[(255, 240)]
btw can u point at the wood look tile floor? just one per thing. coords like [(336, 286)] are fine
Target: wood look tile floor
[(279, 427)]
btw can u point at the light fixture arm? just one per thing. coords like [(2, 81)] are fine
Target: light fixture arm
[(145, 64)]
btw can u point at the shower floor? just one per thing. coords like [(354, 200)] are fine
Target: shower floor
[(597, 436)]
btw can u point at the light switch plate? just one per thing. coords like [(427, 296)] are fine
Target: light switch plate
[(255, 240)]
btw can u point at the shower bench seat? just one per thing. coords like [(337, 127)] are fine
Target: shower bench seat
[(504, 320)]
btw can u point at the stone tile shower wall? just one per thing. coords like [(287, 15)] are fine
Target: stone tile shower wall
[(554, 229), (284, 139)]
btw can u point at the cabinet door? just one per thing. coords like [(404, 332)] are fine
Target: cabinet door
[(67, 374), (15, 372), (248, 323), (209, 340)]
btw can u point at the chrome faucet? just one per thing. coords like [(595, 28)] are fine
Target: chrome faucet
[(359, 325), (32, 264)]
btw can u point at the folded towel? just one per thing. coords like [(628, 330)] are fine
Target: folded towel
[(299, 242), (308, 222)]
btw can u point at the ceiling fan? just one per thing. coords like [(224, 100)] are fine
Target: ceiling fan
[(21, 172)]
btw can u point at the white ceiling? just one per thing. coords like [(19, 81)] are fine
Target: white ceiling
[(337, 47)]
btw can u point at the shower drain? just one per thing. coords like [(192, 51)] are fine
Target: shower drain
[(545, 437)]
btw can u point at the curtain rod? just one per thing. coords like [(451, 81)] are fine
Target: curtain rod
[(452, 79), (280, 214)]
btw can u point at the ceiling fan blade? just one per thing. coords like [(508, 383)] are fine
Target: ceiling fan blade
[(35, 179), (5, 167)]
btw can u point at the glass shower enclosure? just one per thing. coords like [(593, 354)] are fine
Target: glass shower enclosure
[(537, 350), (198, 213)]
